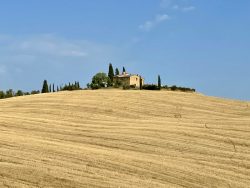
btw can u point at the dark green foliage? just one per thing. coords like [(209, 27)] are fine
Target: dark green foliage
[(184, 89), (176, 88), (126, 87), (132, 86), (9, 93), (110, 83), (57, 88), (95, 86), (53, 88), (19, 93), (34, 92), (140, 83), (50, 88), (117, 71), (111, 74), (2, 94), (77, 85), (70, 87), (117, 84), (165, 87), (159, 82), (123, 69), (173, 88), (150, 87), (45, 88), (100, 80)]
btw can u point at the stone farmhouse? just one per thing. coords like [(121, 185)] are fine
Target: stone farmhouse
[(126, 79)]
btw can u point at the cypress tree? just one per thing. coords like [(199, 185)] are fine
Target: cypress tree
[(57, 88), (117, 71), (53, 88), (111, 73), (50, 88), (159, 82), (45, 88), (123, 69), (140, 83)]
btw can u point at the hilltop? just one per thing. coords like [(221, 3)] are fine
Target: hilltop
[(117, 138)]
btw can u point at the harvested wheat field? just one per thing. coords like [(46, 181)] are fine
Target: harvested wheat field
[(115, 138)]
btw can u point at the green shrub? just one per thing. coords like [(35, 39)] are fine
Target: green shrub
[(95, 86), (2, 95), (173, 88), (165, 87), (126, 87), (150, 87), (132, 86), (19, 93), (34, 92)]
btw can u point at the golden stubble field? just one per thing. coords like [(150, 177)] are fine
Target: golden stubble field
[(115, 138)]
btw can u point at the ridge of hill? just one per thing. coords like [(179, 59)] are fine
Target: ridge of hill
[(115, 138)]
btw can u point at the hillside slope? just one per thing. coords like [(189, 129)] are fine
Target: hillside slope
[(114, 138)]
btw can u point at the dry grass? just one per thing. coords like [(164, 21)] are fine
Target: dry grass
[(113, 138)]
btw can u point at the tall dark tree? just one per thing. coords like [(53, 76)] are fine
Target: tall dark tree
[(117, 71), (123, 69), (50, 88), (45, 88), (111, 73), (57, 88), (159, 81), (54, 88), (140, 83)]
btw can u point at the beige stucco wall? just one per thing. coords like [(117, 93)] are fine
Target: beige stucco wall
[(135, 80), (132, 80)]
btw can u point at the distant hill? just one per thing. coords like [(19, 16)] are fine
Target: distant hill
[(116, 138)]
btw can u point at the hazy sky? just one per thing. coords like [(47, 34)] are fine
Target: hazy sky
[(203, 44)]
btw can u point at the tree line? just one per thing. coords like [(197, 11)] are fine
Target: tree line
[(11, 93), (46, 88), (50, 88), (99, 80)]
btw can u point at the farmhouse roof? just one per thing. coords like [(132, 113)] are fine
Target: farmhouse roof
[(125, 75)]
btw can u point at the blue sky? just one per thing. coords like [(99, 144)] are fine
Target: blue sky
[(203, 44)]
